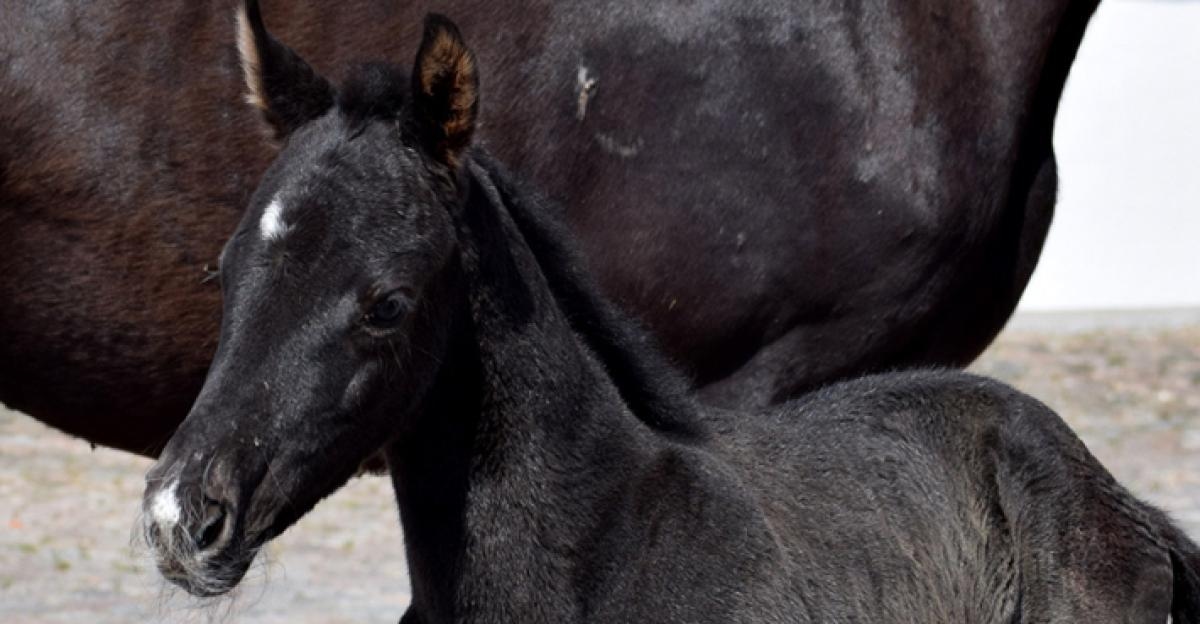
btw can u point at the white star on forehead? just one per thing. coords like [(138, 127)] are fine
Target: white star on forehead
[(272, 226)]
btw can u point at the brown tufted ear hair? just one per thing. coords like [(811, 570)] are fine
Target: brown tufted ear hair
[(279, 83), (445, 91)]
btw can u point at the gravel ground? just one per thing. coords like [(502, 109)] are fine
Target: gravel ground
[(66, 511)]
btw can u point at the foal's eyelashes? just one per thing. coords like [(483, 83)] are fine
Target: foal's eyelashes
[(389, 309)]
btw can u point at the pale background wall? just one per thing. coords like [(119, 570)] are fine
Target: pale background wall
[(1126, 233)]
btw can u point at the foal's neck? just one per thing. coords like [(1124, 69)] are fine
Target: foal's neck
[(506, 481)]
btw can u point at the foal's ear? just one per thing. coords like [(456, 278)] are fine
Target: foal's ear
[(279, 82), (445, 91)]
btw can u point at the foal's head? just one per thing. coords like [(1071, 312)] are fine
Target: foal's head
[(336, 284)]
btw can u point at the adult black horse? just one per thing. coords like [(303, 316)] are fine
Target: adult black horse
[(784, 192), (390, 283)]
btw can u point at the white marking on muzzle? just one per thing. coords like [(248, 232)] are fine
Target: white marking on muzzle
[(164, 509), (272, 225)]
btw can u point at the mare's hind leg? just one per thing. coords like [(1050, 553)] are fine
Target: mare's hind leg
[(1087, 551)]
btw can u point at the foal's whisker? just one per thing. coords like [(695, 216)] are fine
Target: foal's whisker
[(274, 479)]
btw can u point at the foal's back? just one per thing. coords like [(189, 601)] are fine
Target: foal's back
[(940, 497)]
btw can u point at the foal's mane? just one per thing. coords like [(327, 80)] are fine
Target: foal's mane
[(654, 391)]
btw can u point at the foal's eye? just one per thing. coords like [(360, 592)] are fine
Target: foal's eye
[(388, 311)]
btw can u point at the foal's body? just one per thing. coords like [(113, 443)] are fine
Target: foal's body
[(389, 284), (920, 497), (928, 513)]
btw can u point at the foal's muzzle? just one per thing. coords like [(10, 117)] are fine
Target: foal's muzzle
[(190, 522)]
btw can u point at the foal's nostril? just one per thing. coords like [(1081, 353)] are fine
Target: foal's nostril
[(211, 525), (153, 534)]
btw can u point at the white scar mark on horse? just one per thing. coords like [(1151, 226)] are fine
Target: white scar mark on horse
[(610, 144), (272, 226), (164, 509), (587, 85)]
